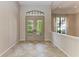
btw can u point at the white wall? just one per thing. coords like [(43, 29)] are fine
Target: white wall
[(46, 9), (8, 25), (66, 43)]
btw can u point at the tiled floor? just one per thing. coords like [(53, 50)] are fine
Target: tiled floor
[(35, 49)]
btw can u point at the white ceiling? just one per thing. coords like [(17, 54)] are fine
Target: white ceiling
[(63, 7), (35, 2)]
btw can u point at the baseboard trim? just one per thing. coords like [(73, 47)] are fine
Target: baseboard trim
[(62, 50), (8, 49)]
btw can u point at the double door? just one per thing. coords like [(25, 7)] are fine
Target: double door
[(34, 28)]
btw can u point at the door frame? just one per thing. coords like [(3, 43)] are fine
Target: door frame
[(43, 26)]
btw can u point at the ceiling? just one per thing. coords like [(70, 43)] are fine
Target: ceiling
[(35, 3), (65, 7), (57, 7)]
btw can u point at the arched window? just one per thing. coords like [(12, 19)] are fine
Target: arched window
[(35, 13)]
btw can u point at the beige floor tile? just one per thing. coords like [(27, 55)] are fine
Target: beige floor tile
[(35, 49)]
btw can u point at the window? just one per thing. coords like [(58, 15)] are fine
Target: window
[(61, 24)]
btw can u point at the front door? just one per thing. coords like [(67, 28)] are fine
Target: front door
[(34, 28)]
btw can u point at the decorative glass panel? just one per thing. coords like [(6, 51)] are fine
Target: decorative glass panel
[(34, 13), (39, 26), (29, 26)]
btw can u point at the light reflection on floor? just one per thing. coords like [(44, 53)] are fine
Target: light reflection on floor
[(35, 49)]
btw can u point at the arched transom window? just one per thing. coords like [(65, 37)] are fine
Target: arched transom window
[(35, 13)]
